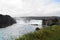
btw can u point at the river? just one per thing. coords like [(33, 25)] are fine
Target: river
[(16, 30)]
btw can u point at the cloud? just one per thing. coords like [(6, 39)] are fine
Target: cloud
[(29, 7)]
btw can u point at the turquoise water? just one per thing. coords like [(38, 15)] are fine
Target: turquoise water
[(16, 30)]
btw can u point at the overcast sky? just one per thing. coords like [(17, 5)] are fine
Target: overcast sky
[(18, 8)]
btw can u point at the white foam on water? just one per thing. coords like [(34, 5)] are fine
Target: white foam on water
[(16, 30)]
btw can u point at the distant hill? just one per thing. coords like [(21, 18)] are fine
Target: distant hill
[(40, 18)]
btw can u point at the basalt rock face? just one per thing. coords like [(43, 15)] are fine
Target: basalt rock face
[(6, 20)]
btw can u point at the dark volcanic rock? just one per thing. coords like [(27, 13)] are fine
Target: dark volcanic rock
[(6, 20), (37, 29)]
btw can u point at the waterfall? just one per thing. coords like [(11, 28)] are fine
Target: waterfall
[(16, 30)]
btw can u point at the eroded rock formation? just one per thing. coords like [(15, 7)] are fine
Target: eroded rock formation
[(6, 20)]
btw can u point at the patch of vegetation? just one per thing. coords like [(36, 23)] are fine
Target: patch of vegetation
[(48, 33)]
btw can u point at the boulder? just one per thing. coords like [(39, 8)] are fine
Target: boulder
[(37, 29)]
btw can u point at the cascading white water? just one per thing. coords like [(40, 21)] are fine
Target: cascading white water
[(16, 30)]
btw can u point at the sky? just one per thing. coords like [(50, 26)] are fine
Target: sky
[(18, 8)]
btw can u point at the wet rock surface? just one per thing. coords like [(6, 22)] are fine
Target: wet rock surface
[(6, 20)]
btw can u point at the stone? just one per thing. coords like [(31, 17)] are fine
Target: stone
[(6, 20)]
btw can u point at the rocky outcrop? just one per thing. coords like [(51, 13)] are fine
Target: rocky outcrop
[(50, 22), (37, 29), (6, 20)]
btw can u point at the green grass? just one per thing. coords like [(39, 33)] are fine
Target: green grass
[(48, 33)]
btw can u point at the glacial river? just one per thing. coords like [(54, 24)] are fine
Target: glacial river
[(16, 30)]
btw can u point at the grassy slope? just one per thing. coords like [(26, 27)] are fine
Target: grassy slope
[(48, 33)]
